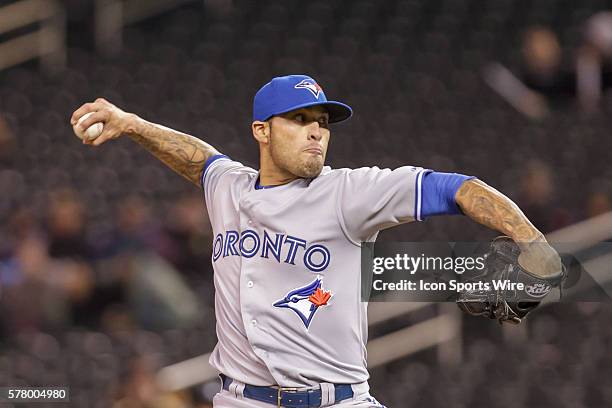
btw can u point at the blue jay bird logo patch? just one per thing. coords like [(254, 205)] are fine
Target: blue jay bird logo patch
[(311, 85), (305, 301)]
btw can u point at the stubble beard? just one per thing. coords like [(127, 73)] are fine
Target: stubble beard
[(310, 167)]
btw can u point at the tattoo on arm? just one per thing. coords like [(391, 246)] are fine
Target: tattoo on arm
[(489, 207), (184, 154)]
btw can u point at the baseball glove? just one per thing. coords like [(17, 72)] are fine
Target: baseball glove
[(506, 304)]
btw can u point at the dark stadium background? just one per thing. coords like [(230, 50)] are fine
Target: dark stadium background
[(105, 266)]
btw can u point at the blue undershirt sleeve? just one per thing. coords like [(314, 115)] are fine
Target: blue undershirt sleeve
[(438, 193)]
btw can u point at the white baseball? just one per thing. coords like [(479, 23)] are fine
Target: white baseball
[(91, 132)]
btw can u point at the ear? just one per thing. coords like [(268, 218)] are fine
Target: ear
[(261, 131)]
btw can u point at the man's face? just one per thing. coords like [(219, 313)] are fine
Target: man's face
[(299, 139)]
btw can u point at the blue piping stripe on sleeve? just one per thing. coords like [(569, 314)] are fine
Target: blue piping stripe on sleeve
[(418, 194), (210, 161)]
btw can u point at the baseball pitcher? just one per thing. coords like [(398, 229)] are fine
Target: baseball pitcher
[(291, 328)]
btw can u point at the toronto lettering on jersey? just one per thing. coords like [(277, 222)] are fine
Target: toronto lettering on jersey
[(279, 247)]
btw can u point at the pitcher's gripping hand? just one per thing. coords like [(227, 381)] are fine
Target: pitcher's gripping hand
[(116, 122)]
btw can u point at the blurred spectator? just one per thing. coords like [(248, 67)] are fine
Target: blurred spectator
[(66, 231), (38, 291), (594, 62), (22, 279), (541, 55), (66, 226), (543, 69), (8, 144), (542, 82), (537, 188), (190, 234), (537, 198), (137, 229), (598, 203), (19, 225), (551, 82)]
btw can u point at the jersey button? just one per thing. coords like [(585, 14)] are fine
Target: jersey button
[(253, 322), (250, 222), (250, 284)]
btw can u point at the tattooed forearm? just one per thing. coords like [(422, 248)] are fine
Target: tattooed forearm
[(491, 208), (184, 154)]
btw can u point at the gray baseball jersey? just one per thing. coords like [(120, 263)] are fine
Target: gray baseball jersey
[(287, 268)]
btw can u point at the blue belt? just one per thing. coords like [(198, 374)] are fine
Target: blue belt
[(290, 397)]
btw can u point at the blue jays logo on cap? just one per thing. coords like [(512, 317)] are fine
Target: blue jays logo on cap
[(305, 301), (310, 85), (291, 92)]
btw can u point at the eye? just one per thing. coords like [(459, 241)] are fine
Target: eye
[(323, 122), (299, 118)]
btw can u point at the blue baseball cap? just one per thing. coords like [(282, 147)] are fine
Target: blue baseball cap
[(287, 93)]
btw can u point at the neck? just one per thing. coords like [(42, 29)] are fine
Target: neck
[(274, 176), (269, 173)]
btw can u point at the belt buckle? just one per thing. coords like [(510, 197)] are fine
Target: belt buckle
[(280, 394)]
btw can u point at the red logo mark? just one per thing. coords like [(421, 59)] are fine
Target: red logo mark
[(320, 297)]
